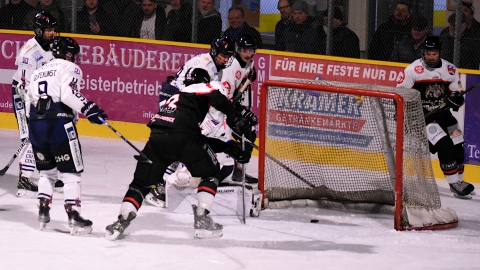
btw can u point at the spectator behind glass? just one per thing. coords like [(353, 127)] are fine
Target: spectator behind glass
[(93, 20), (470, 41), (409, 48), (285, 8), (345, 42), (150, 22), (209, 22), (123, 13), (390, 32), (300, 36), (179, 22), (447, 37), (12, 15), (238, 26), (52, 7)]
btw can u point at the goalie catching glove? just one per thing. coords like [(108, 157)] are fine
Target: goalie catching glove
[(234, 149), (455, 101), (92, 112)]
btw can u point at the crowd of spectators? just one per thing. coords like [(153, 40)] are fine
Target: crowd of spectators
[(398, 39)]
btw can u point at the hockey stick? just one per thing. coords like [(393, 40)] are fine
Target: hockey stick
[(142, 157), (243, 181), (4, 170), (445, 103), (284, 166), (241, 90)]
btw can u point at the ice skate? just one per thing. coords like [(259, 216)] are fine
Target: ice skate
[(26, 188), (204, 225), (118, 227), (44, 213), (58, 186), (78, 225), (237, 177), (462, 190), (156, 196)]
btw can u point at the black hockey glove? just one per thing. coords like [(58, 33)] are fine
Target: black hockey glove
[(246, 114), (252, 76), (92, 112), (234, 149), (243, 128), (455, 101)]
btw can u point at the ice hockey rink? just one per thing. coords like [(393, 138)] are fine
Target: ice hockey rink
[(278, 239)]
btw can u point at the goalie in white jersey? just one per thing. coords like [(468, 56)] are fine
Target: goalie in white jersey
[(34, 54), (438, 82), (53, 101)]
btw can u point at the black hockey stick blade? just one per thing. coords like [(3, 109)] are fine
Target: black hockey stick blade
[(278, 162), (142, 157), (443, 105)]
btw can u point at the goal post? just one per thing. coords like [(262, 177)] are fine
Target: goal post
[(354, 144)]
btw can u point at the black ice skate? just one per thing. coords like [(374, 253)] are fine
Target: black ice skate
[(156, 196), (237, 177), (59, 186), (204, 225), (26, 188), (462, 190), (44, 213), (78, 225), (118, 227)]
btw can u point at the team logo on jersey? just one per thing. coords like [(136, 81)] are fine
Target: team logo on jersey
[(27, 47), (401, 78), (434, 91), (451, 69), (238, 74), (419, 69), (25, 60)]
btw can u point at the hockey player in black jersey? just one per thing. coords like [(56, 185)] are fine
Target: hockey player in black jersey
[(176, 136), (438, 82)]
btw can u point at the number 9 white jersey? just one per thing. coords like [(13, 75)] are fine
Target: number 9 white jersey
[(58, 80)]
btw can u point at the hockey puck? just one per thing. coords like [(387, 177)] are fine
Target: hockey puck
[(314, 221)]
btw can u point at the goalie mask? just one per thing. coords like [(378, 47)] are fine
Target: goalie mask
[(197, 75), (221, 51), (431, 54), (44, 20), (65, 48)]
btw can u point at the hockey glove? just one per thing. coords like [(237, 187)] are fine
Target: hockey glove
[(92, 112), (455, 101), (246, 114), (243, 128), (234, 149), (252, 76)]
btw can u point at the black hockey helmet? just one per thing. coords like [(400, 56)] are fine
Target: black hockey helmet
[(42, 21), (245, 41), (196, 75), (64, 47), (432, 43), (223, 45)]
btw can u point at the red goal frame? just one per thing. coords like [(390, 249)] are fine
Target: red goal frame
[(352, 91)]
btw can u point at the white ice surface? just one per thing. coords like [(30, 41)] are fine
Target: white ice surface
[(278, 239)]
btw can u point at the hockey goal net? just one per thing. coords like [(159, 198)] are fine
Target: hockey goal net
[(349, 143)]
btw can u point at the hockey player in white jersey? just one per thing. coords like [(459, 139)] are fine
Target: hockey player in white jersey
[(53, 100), (220, 57), (438, 82), (34, 54)]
